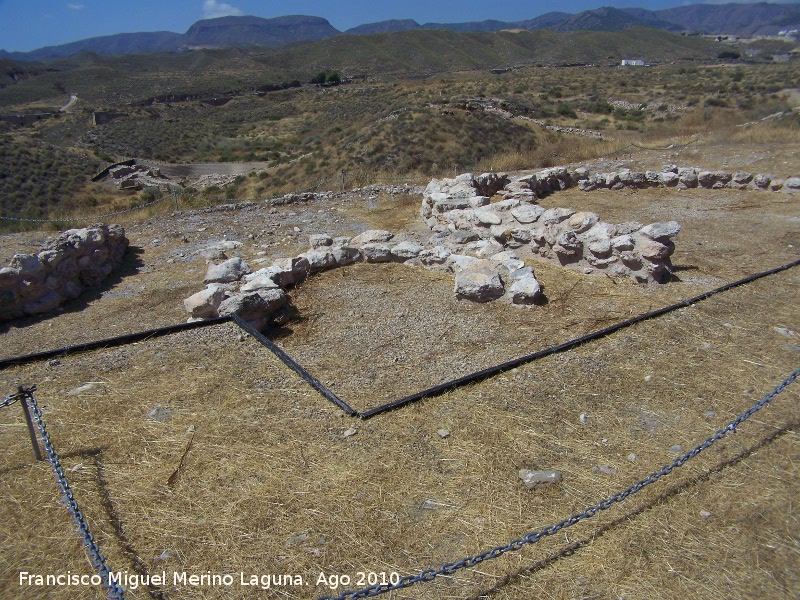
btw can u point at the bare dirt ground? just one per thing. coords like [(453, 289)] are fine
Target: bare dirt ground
[(271, 484)]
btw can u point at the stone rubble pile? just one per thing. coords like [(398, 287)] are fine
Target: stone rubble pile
[(464, 220), (138, 177), (260, 296), (76, 260), (590, 133)]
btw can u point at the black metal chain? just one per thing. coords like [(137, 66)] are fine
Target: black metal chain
[(115, 592), (535, 536)]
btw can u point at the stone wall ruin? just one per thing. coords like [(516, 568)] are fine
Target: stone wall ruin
[(77, 259), (481, 242), (460, 213)]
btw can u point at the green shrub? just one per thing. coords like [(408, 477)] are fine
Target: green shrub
[(150, 193), (565, 110)]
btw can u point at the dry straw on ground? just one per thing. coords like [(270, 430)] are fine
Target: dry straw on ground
[(271, 485)]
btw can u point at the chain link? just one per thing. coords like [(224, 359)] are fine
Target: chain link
[(9, 400), (535, 536), (115, 592), (92, 218), (314, 187)]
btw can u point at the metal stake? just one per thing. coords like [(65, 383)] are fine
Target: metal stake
[(24, 402)]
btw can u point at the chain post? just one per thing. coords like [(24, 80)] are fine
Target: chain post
[(343, 180), (114, 590), (37, 452)]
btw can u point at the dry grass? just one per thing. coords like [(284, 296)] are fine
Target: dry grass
[(271, 485)]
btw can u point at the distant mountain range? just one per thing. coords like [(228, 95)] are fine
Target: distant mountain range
[(717, 19)]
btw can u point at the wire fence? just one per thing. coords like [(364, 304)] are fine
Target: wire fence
[(340, 182), (117, 592), (93, 217)]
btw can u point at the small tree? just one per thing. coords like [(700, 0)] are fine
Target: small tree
[(319, 77), (334, 78)]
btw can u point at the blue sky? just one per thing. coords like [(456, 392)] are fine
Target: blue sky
[(30, 24)]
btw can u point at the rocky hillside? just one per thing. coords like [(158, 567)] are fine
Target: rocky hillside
[(214, 33)]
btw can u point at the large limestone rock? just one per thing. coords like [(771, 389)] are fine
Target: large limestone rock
[(376, 253), (479, 283), (406, 251), (260, 282), (205, 302), (290, 271), (319, 259), (661, 231), (231, 270), (527, 213), (346, 255), (525, 290), (256, 307), (437, 255), (45, 304)]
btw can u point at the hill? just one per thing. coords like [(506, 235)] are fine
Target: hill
[(122, 43), (611, 19), (214, 33), (732, 19), (255, 31), (231, 71), (739, 19), (11, 72), (427, 51), (545, 21)]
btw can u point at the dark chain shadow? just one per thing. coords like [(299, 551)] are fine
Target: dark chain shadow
[(663, 499), (106, 501), (125, 543)]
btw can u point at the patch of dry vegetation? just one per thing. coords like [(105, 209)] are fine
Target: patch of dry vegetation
[(408, 128)]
